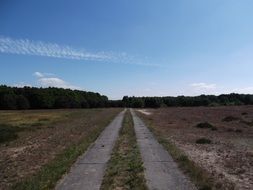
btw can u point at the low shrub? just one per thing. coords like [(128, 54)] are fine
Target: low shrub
[(7, 133), (214, 128), (203, 141), (205, 187), (238, 131), (230, 118), (206, 125), (230, 130)]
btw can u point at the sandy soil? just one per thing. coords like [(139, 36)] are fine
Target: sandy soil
[(144, 112), (25, 156), (229, 158)]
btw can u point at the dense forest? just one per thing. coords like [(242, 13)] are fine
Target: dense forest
[(186, 101), (51, 98)]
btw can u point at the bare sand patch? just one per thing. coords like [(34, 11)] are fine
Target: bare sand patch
[(146, 112)]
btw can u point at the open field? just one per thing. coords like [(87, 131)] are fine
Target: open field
[(40, 145), (217, 142)]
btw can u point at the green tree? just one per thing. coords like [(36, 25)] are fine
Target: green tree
[(22, 102), (8, 101)]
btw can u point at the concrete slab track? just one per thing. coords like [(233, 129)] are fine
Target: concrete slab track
[(161, 172), (88, 171)]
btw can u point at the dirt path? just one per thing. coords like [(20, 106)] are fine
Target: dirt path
[(161, 171), (87, 172)]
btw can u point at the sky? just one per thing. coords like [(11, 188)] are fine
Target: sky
[(128, 47)]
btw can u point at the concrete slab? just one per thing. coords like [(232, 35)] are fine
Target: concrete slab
[(88, 171), (83, 176), (161, 172)]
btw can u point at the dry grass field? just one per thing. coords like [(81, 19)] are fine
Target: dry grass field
[(38, 146), (217, 139)]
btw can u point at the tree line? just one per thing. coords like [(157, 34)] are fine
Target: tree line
[(188, 101), (54, 98), (49, 98)]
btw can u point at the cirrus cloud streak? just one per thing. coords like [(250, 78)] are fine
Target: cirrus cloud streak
[(39, 48)]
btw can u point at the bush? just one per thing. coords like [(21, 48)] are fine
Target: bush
[(230, 118), (230, 130), (214, 128), (205, 125), (244, 113), (203, 141), (238, 131), (7, 133), (205, 187)]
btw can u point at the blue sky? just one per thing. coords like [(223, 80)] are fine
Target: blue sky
[(128, 47)]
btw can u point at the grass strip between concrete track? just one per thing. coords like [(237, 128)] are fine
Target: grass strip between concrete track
[(50, 173), (125, 168), (198, 176)]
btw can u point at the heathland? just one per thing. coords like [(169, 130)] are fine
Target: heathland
[(213, 145), (37, 147)]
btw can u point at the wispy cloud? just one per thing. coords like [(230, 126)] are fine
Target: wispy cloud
[(22, 84), (39, 48), (245, 90), (204, 86), (38, 74), (46, 80)]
